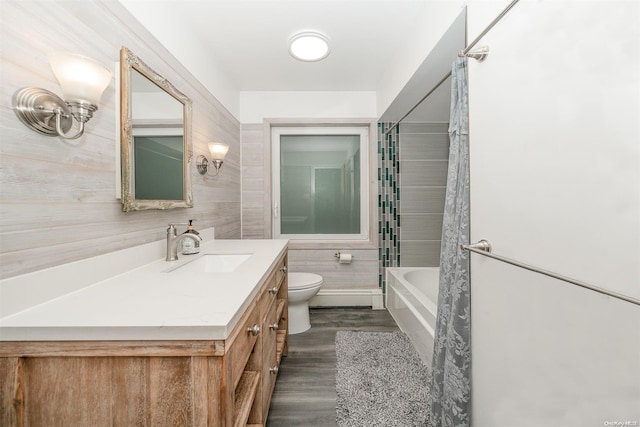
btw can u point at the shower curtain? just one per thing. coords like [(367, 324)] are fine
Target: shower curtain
[(450, 403)]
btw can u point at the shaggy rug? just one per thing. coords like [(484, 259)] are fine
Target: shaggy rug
[(380, 380)]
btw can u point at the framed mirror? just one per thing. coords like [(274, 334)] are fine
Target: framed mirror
[(155, 141)]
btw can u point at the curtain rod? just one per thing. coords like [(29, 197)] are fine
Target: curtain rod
[(489, 27), (466, 52), (442, 80)]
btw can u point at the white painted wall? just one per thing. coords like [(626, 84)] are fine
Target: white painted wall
[(176, 33), (555, 173), (154, 106), (256, 106), (407, 58), (179, 38)]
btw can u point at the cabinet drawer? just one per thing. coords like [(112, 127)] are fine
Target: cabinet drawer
[(273, 285), (250, 331), (269, 295), (281, 270)]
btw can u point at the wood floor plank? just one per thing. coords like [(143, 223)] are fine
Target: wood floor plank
[(305, 392)]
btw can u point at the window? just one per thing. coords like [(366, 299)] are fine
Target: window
[(319, 175)]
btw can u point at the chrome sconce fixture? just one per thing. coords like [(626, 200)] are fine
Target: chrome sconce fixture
[(82, 80), (218, 152)]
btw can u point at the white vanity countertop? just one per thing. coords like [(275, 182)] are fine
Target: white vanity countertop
[(150, 303)]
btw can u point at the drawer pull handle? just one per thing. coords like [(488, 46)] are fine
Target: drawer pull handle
[(273, 290), (274, 326), (284, 269), (274, 370), (254, 330)]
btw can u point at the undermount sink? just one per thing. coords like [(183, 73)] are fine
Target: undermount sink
[(213, 263)]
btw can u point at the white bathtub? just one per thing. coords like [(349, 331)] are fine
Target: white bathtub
[(412, 298)]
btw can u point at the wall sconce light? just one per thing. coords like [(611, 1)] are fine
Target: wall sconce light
[(218, 152), (82, 80)]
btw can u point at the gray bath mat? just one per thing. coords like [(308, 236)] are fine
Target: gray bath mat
[(380, 380)]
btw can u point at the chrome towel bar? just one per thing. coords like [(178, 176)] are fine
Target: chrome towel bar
[(483, 247)]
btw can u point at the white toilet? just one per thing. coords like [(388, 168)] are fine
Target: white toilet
[(302, 287)]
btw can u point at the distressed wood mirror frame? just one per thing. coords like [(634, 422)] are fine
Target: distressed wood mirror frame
[(129, 64)]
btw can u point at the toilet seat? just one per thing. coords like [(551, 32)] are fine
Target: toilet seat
[(300, 281)]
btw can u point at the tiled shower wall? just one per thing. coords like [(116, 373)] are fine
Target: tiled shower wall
[(412, 176), (424, 154)]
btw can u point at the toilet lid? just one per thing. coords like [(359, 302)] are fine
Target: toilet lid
[(304, 280)]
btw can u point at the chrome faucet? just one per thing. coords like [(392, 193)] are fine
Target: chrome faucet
[(173, 240)]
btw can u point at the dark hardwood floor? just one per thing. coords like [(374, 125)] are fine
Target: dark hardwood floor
[(305, 392)]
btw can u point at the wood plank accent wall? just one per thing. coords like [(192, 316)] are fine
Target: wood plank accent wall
[(57, 198), (256, 191), (317, 257)]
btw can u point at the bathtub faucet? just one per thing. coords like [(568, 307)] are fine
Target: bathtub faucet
[(173, 240)]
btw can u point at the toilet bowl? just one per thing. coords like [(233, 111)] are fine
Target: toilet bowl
[(302, 287)]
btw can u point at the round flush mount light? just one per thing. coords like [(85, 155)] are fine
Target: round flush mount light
[(309, 46)]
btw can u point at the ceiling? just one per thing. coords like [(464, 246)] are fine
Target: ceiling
[(369, 39)]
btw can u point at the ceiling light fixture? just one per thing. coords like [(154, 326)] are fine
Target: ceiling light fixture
[(309, 46)]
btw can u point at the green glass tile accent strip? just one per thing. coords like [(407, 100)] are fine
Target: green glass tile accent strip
[(388, 197)]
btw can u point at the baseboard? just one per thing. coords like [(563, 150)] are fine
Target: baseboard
[(349, 298)]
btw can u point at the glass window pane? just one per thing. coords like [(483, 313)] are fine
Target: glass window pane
[(320, 184)]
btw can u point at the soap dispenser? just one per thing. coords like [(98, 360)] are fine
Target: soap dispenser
[(190, 246)]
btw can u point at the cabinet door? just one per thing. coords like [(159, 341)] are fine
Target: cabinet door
[(249, 331), (269, 361)]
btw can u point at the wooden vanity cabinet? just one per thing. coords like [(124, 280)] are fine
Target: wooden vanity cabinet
[(151, 383), (273, 342)]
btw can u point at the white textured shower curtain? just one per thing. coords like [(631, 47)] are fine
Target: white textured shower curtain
[(450, 403)]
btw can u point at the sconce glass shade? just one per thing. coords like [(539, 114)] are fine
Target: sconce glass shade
[(82, 79), (218, 150)]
